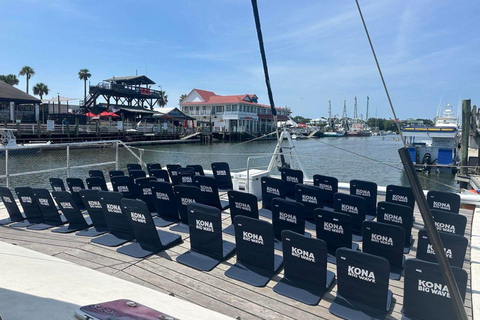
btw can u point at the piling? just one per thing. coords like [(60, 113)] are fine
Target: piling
[(466, 111)]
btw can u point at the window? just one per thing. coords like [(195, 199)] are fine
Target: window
[(219, 109), (229, 108), (234, 108)]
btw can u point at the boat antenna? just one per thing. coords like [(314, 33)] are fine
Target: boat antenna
[(432, 232), (264, 61)]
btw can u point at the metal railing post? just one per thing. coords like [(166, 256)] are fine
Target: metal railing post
[(141, 156), (116, 155), (68, 161), (7, 176)]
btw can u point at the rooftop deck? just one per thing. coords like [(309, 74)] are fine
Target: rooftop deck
[(212, 290)]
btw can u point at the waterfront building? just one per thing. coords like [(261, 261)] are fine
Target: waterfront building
[(17, 105), (232, 113)]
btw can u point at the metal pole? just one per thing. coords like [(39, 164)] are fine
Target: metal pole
[(7, 176), (466, 109), (116, 155), (141, 156), (68, 161)]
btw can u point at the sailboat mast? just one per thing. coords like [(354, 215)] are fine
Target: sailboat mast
[(355, 116), (329, 109), (366, 117)]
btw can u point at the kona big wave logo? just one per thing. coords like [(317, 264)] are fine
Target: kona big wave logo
[(206, 189), (362, 192), (114, 208), (43, 201), (349, 208), (147, 191), (274, 191), (57, 188), (399, 198), (292, 179), (138, 217), (221, 172), (7, 199), (253, 237), (362, 274), (392, 218), (441, 205), (186, 201), (445, 227), (94, 204), (122, 189), (378, 238), (204, 225), (332, 227), (325, 186), (26, 199), (76, 189), (303, 254), (162, 196), (243, 206), (288, 217), (448, 252), (433, 288), (309, 199), (66, 205)]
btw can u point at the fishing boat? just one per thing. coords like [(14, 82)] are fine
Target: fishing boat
[(9, 141), (435, 148), (334, 133)]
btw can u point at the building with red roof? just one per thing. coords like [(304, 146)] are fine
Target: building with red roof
[(232, 113)]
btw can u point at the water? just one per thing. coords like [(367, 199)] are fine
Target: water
[(326, 156)]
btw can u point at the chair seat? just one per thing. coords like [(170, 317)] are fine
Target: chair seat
[(253, 276), (203, 262), (352, 310)]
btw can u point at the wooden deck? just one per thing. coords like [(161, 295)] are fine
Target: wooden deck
[(212, 290)]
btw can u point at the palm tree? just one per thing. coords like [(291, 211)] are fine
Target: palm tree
[(28, 72), (163, 100), (11, 79), (84, 74), (183, 96), (41, 89)]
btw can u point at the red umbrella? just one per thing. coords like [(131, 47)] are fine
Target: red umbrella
[(91, 115), (108, 114)]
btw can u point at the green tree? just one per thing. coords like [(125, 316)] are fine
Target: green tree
[(41, 89), (300, 119), (84, 74), (183, 96), (163, 100), (11, 79), (28, 72)]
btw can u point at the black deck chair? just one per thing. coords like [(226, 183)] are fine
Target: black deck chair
[(153, 166), (305, 275), (256, 262), (356, 207), (329, 185), (160, 175), (15, 215), (419, 302), (96, 173), (207, 248), (209, 190), (145, 193), (119, 229), (444, 201), (115, 173), (287, 215), (455, 247), (92, 203), (51, 216), (133, 166), (75, 219), (398, 215), (271, 188), (221, 173), (241, 204), (57, 184), (96, 183), (135, 174), (75, 185), (449, 222), (291, 177), (149, 240), (311, 197), (336, 230), (185, 176), (367, 190), (30, 207), (387, 241), (400, 195), (125, 185), (164, 201), (184, 195), (198, 169), (362, 286), (172, 171)]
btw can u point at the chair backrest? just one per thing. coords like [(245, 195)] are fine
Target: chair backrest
[(93, 206), (116, 219), (254, 243), (96, 183), (449, 222), (384, 240), (221, 173), (398, 215), (135, 174), (311, 197), (287, 215), (125, 185), (160, 175), (363, 277), (205, 224), (291, 177), (57, 184), (184, 195), (10, 204), (186, 176), (334, 228), (400, 195), (29, 205), (367, 190), (133, 166), (164, 199), (75, 185), (69, 209), (145, 192), (172, 171), (115, 173), (47, 206), (242, 204), (142, 224), (455, 247), (444, 201), (153, 166), (425, 291), (209, 190), (198, 169), (329, 185), (354, 206), (96, 173), (271, 188)]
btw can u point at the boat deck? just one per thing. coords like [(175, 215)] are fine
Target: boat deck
[(212, 290)]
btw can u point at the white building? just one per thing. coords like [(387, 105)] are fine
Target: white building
[(237, 113)]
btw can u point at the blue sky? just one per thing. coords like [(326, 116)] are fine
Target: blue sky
[(317, 50)]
